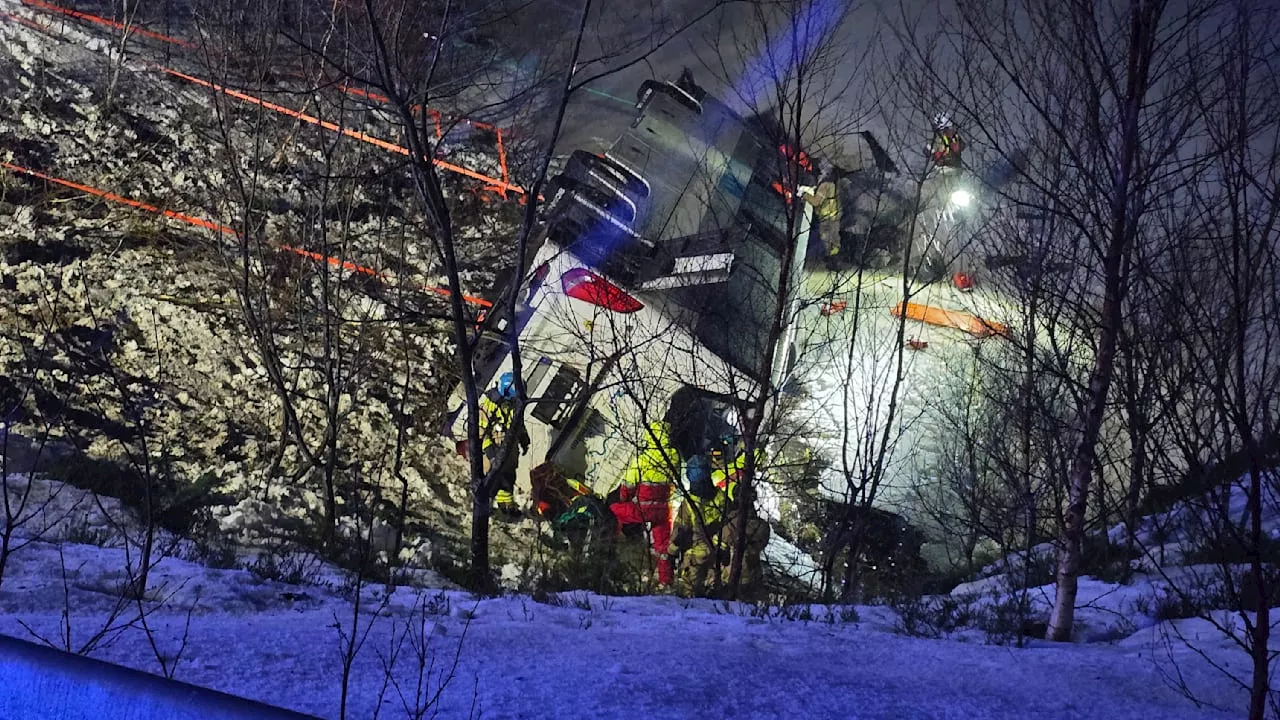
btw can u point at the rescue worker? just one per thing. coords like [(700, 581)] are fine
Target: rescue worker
[(697, 475), (497, 415), (727, 476), (552, 491), (947, 145), (727, 479), (826, 201), (757, 533), (685, 82), (695, 535), (645, 493)]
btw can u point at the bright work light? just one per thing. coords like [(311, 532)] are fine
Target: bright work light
[(961, 198)]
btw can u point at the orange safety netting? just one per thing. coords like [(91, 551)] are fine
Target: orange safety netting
[(437, 121), (220, 228)]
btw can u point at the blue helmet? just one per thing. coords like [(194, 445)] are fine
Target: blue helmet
[(507, 385)]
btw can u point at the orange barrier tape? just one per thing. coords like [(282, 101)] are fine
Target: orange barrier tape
[(435, 117), (27, 22), (380, 98), (105, 195), (499, 185), (356, 134), (218, 227), (344, 264), (40, 5), (502, 156), (957, 319), (353, 267)]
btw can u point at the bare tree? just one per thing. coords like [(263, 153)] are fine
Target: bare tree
[(796, 84), (1223, 277), (126, 11), (1092, 114), (344, 348), (406, 73)]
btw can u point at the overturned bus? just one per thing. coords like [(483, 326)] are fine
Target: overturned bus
[(653, 289)]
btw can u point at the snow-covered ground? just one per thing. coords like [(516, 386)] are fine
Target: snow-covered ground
[(579, 654), (653, 657)]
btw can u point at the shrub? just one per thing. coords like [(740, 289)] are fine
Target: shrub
[(931, 617), (1177, 606), (176, 506), (600, 564), (841, 614), (81, 532), (99, 476), (1231, 549), (438, 604), (1212, 594), (214, 550), (1106, 561), (292, 566), (1006, 620), (777, 608)]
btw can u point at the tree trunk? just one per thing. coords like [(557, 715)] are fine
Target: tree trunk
[(1260, 690), (6, 538), (480, 578), (857, 532), (1143, 20), (745, 502), (1071, 539), (1137, 480)]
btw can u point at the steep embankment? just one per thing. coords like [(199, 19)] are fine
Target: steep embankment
[(125, 332)]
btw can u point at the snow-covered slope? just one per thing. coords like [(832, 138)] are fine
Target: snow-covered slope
[(596, 657), (574, 654), (114, 316)]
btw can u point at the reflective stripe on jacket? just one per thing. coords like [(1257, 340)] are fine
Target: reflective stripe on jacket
[(726, 478), (496, 421)]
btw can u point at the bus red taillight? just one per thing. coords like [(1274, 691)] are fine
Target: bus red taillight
[(582, 284)]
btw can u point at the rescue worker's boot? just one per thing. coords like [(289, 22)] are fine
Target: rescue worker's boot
[(507, 507)]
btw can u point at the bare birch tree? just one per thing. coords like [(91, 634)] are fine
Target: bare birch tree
[(1097, 94)]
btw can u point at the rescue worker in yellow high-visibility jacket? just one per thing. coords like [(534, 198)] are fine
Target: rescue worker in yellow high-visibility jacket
[(497, 410), (695, 537), (947, 145), (645, 492)]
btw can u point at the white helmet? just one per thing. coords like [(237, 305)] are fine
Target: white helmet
[(941, 120)]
